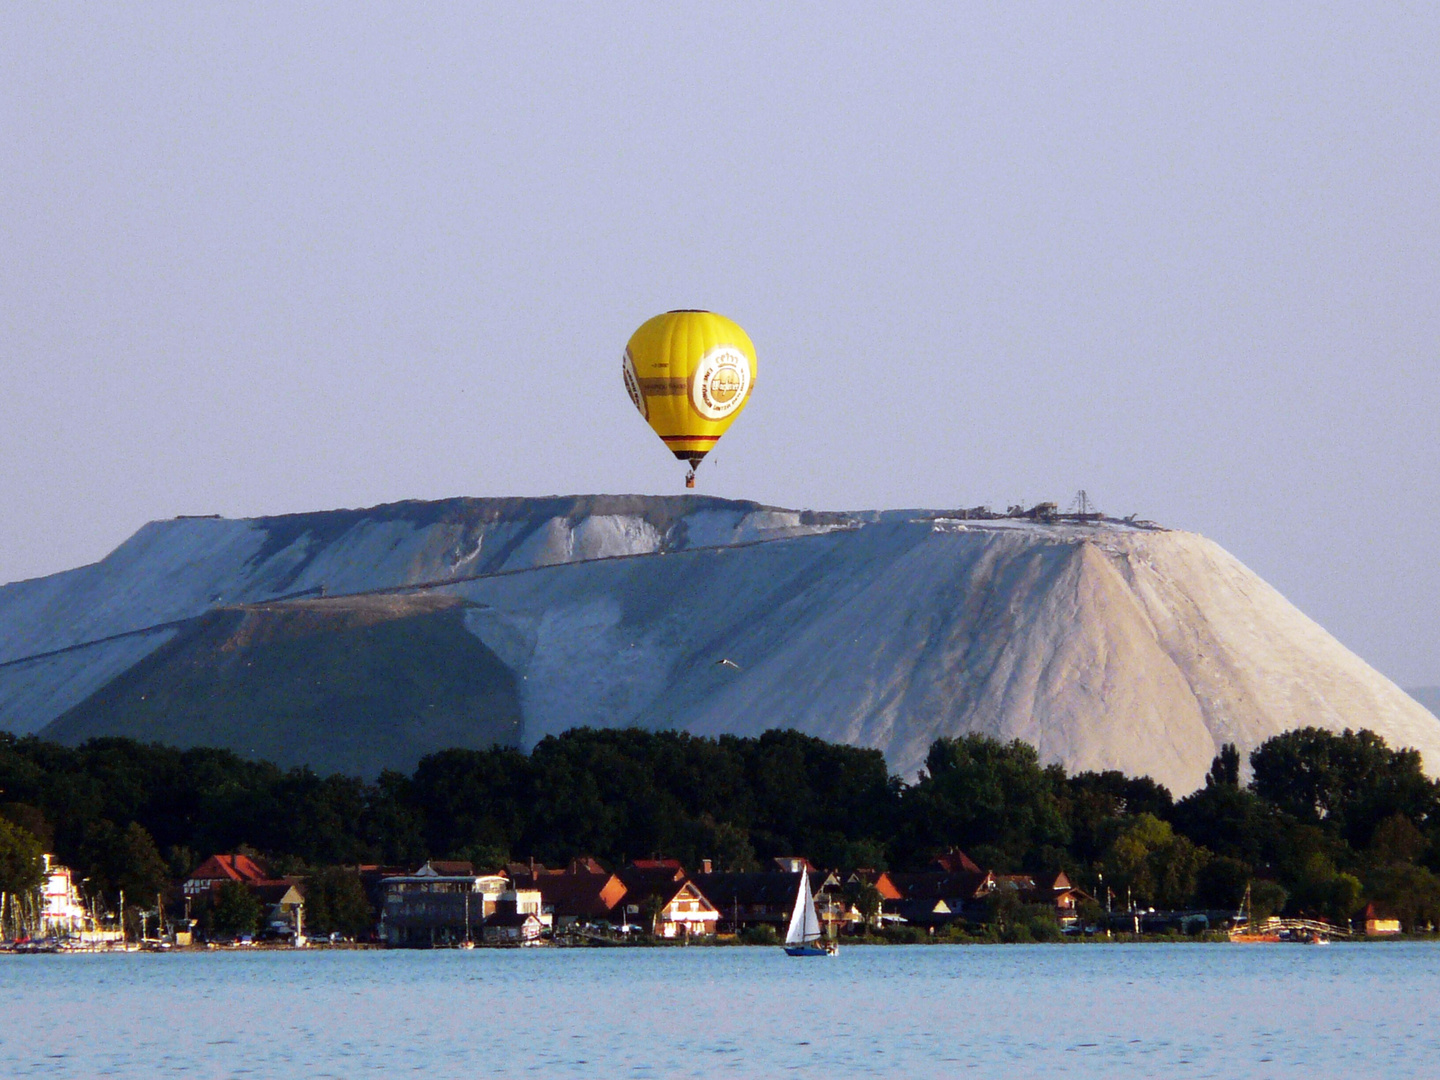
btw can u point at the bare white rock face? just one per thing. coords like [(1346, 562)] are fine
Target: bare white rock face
[(1104, 645)]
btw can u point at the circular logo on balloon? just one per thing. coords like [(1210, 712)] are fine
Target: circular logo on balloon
[(722, 379), (632, 385)]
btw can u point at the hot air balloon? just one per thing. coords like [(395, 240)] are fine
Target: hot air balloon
[(690, 374)]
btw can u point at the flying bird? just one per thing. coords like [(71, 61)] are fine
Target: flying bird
[(727, 662)]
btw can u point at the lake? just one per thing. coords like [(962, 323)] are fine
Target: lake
[(1088, 1010)]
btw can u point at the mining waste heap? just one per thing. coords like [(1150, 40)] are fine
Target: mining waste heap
[(358, 640)]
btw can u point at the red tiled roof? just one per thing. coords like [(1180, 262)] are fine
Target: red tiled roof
[(586, 865), (641, 880), (451, 867), (229, 868), (585, 895), (956, 861), (934, 885), (881, 880), (773, 889)]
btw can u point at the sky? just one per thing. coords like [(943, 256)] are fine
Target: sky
[(260, 259)]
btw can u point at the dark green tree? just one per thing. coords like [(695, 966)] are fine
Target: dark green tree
[(1225, 768), (1411, 893), (1348, 783), (32, 820), (1318, 888), (235, 910), (1232, 822), (1097, 804), (1154, 864), (1267, 898), (986, 797), (1221, 883), (1397, 840), (22, 863), (142, 873), (335, 902), (867, 900)]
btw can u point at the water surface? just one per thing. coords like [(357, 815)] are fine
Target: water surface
[(933, 1011)]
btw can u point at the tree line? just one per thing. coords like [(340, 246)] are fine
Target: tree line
[(1321, 823)]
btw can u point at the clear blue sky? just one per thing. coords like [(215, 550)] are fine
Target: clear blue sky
[(259, 259)]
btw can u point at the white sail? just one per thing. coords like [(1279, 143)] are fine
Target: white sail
[(804, 921)]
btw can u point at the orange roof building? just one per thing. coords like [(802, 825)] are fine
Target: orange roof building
[(218, 869)]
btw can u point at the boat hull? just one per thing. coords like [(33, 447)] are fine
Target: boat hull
[(810, 950)]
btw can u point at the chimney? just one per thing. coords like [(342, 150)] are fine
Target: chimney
[(705, 866)]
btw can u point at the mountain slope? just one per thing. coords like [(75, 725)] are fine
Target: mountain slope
[(348, 685), (1104, 644), (62, 637), (1106, 648)]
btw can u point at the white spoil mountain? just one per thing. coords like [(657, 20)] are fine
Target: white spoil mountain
[(1106, 645)]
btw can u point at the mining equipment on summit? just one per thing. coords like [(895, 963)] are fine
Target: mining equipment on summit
[(689, 374)]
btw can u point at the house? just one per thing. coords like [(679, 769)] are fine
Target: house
[(935, 897), (955, 861), (585, 864), (1064, 897), (571, 899), (525, 902), (659, 866), (880, 879), (582, 893), (1378, 922), (767, 897), (282, 897), (218, 869), (447, 868), (372, 879), (658, 891), (511, 928), (430, 908), (516, 920)]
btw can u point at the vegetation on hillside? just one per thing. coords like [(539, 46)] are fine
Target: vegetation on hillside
[(1325, 823)]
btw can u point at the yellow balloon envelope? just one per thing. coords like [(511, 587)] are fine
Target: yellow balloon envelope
[(690, 374)]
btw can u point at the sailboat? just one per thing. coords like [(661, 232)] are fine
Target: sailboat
[(802, 938), (467, 943)]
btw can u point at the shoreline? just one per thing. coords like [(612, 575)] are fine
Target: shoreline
[(368, 947)]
